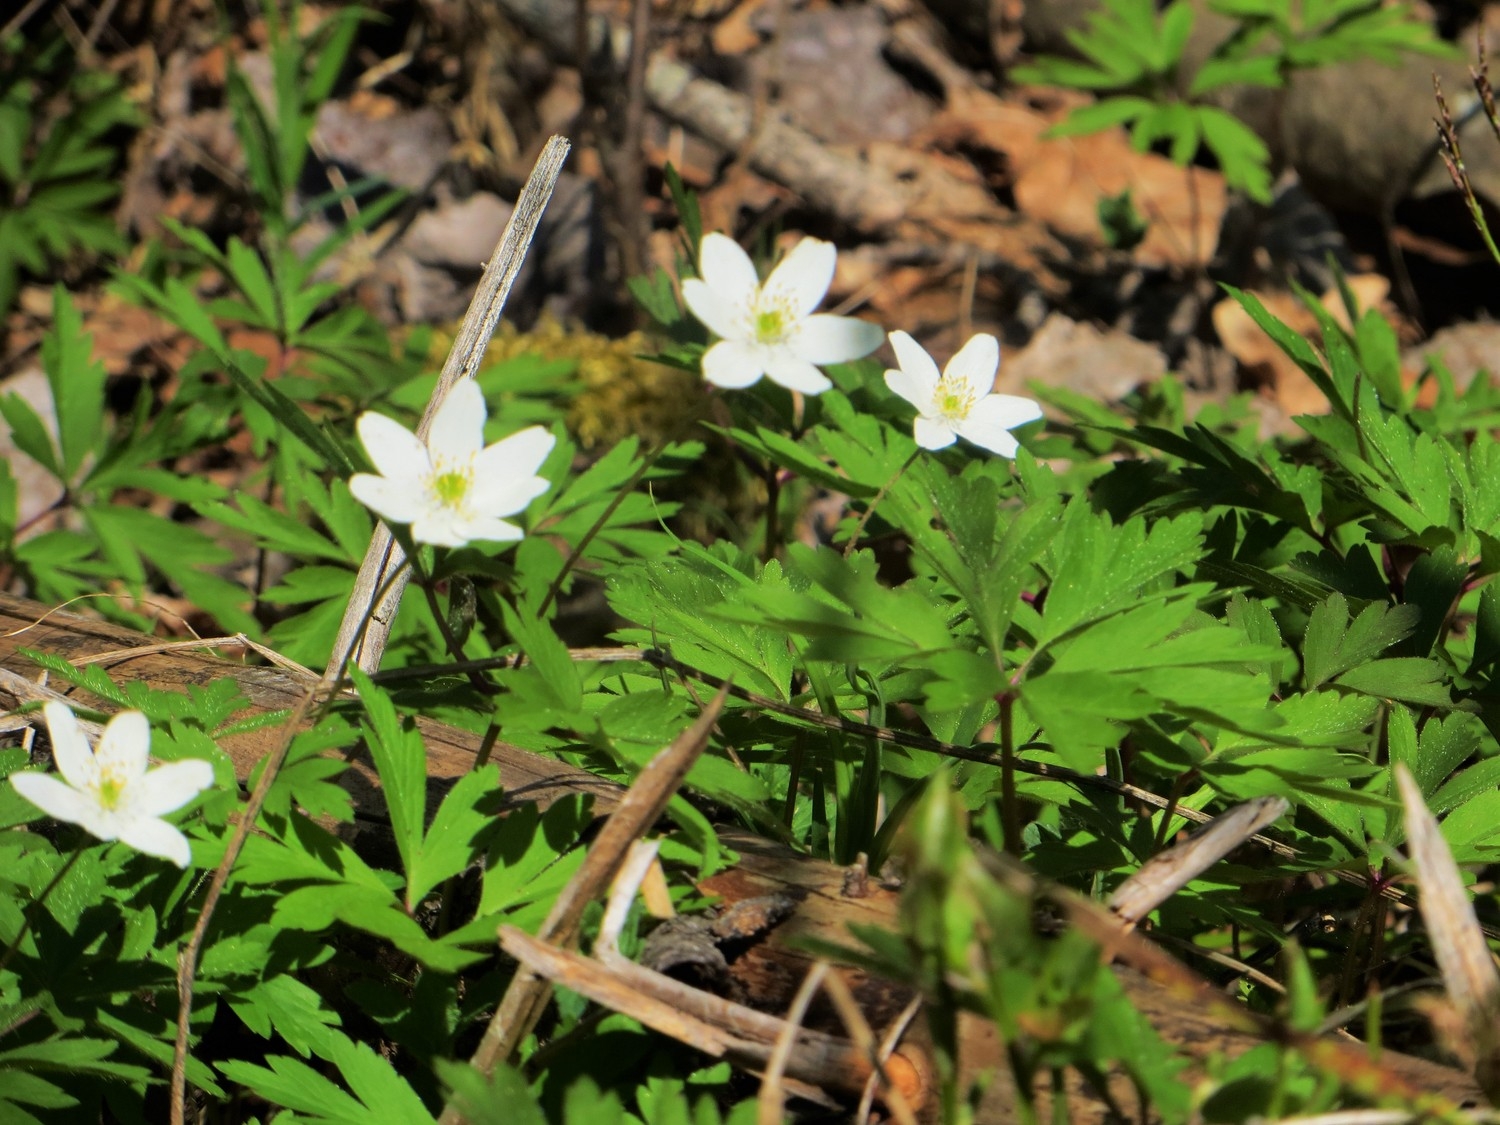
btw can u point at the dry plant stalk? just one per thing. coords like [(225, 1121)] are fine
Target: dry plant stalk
[(527, 995), (1463, 956), (371, 613), (382, 579), (1167, 872)]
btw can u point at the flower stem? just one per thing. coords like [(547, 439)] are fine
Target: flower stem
[(1010, 811), (36, 904), (773, 512), (869, 511), (455, 649)]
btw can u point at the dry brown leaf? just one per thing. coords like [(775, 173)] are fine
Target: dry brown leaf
[(1104, 365), (1061, 180)]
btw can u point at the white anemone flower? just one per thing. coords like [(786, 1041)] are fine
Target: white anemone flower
[(453, 489), (959, 403), (109, 792), (770, 329)]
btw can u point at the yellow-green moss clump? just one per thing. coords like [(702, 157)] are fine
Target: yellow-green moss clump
[(623, 393)]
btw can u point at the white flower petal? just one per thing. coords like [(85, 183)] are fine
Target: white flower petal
[(730, 363), (990, 422), (158, 838), (392, 448), (505, 479), (933, 434), (722, 317), (398, 500), (727, 270), (975, 363), (490, 529), (1009, 411), (170, 786), (801, 280), (507, 497), (458, 426), (917, 365), (70, 749), (59, 801), (834, 339), (997, 439), (124, 745), (904, 385), (440, 526), (797, 375), (519, 455)]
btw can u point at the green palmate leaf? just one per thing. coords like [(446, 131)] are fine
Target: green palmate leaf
[(316, 908), (1241, 153), (1466, 786), (282, 1005), (996, 555), (1098, 569), (503, 1098), (549, 667), (131, 536), (180, 304), (1332, 645), (30, 434), (72, 1055), (532, 855), (458, 833), (1408, 679), (1104, 114), (1294, 346), (1254, 70), (372, 1089), (273, 530), (77, 383), (680, 602), (842, 606), (789, 455), (401, 761), (1432, 585)]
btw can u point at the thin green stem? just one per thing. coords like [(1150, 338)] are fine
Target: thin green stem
[(36, 904), (1010, 808), (869, 511), (450, 641), (773, 512)]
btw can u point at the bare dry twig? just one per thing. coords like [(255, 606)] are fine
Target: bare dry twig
[(643, 803), (371, 613)]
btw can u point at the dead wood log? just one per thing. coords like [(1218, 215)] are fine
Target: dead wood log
[(768, 968), (830, 899), (887, 191), (26, 624)]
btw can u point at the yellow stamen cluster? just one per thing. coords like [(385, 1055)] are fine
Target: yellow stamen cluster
[(451, 486), (954, 399), (770, 325), (110, 787)]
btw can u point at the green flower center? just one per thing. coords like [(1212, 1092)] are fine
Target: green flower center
[(111, 789), (770, 326), (954, 400), (451, 487)]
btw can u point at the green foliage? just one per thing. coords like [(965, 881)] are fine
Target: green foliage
[(1134, 53), (62, 131), (971, 653)]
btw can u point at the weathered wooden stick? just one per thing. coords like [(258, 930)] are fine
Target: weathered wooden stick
[(382, 575), (527, 994)]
